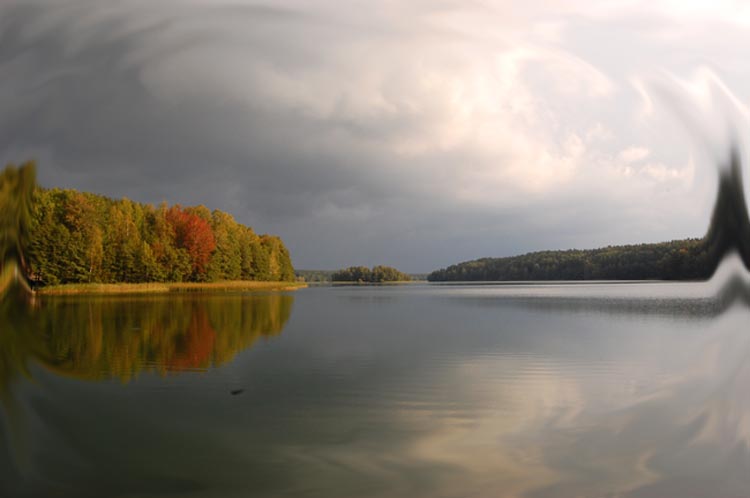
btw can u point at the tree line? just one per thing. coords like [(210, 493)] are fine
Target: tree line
[(676, 260), (65, 236), (79, 237), (377, 274)]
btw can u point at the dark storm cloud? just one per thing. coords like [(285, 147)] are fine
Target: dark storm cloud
[(88, 105), (79, 98), (389, 135)]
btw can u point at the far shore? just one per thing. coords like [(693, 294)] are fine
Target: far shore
[(343, 283), (163, 288), (359, 282)]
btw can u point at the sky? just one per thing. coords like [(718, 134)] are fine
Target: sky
[(416, 134)]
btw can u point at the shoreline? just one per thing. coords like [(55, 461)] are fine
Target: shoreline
[(389, 282), (167, 287)]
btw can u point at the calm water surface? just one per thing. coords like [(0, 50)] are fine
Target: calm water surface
[(560, 390)]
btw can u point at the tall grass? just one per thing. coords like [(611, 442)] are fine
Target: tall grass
[(149, 288)]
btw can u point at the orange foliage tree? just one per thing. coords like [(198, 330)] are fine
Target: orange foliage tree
[(193, 234)]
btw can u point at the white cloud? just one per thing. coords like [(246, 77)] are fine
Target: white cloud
[(634, 154)]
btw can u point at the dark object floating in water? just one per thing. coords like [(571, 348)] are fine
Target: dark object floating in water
[(235, 392)]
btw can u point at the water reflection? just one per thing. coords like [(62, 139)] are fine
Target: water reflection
[(493, 394), (668, 417), (418, 392), (544, 399), (121, 337)]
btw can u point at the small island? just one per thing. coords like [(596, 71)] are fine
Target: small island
[(376, 275)]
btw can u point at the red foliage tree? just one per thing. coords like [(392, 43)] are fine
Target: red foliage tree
[(195, 347), (193, 234)]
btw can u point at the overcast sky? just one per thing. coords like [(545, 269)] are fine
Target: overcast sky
[(410, 133)]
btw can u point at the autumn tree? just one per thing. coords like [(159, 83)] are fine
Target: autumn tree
[(76, 237), (174, 262), (226, 262), (193, 233)]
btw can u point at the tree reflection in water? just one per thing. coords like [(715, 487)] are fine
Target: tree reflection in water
[(121, 337)]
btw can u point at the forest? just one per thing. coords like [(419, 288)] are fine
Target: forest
[(363, 274), (676, 260), (66, 236), (81, 237)]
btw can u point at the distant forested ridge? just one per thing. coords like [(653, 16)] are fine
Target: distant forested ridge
[(689, 259), (375, 275), (78, 237), (676, 260)]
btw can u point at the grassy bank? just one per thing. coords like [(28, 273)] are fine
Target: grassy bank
[(161, 288)]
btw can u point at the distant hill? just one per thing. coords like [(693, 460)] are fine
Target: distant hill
[(675, 260)]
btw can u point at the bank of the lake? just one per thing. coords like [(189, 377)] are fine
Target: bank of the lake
[(394, 282), (161, 288)]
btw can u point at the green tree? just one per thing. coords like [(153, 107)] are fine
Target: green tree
[(226, 261)]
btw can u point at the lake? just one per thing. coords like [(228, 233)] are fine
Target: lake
[(535, 390)]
